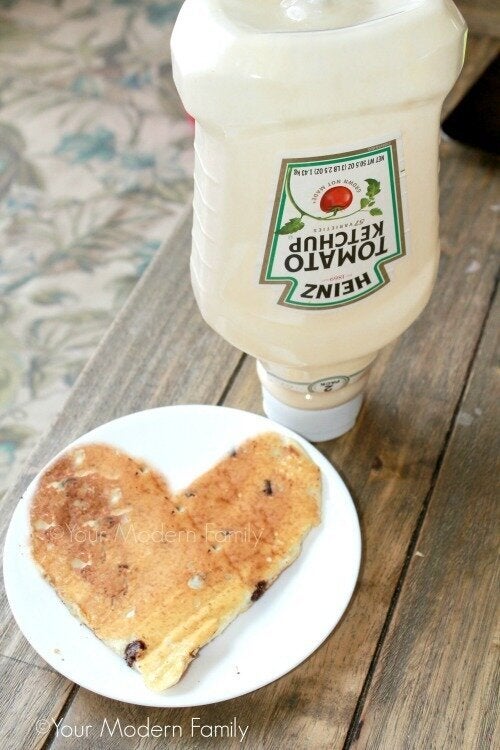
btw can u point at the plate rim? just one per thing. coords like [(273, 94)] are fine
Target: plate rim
[(11, 542)]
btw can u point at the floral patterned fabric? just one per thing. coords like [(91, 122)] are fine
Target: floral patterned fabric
[(95, 167)]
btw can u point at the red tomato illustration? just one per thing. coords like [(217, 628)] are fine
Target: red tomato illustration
[(336, 197)]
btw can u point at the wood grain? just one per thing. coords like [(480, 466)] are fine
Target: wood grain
[(480, 52), (34, 685), (437, 682), (390, 461), (482, 16)]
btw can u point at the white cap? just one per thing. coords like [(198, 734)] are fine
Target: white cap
[(314, 424)]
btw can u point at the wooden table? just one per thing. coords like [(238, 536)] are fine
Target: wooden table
[(412, 663)]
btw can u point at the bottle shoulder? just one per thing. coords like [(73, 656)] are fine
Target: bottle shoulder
[(287, 16), (411, 57), (240, 18)]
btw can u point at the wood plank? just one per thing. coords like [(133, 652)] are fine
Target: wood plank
[(159, 351), (448, 611), (480, 51), (390, 461), (41, 687), (482, 16)]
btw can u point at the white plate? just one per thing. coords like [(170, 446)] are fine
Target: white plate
[(272, 637)]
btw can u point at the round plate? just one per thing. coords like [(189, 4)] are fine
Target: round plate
[(268, 640)]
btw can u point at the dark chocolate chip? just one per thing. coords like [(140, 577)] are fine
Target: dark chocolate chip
[(268, 488), (132, 651), (190, 494), (259, 590), (233, 453), (377, 463)]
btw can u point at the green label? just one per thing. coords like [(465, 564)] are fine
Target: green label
[(337, 223)]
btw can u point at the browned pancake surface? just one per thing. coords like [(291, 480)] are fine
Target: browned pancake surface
[(155, 575), (257, 505)]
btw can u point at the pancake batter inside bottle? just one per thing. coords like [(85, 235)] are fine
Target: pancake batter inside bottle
[(315, 234)]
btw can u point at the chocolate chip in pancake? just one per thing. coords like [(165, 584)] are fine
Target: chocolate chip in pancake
[(157, 575)]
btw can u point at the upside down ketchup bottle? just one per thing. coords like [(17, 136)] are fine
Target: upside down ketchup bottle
[(315, 234)]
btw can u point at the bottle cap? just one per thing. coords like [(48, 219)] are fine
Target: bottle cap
[(313, 424)]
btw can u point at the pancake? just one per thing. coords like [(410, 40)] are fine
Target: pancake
[(155, 575), (257, 506)]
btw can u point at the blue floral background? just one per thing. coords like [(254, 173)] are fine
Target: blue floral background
[(95, 167)]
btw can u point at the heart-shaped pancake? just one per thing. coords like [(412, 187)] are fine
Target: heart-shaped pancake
[(157, 575)]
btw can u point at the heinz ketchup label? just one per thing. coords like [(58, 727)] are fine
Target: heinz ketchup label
[(337, 224)]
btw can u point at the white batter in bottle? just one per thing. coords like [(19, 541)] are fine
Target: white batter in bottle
[(315, 236)]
